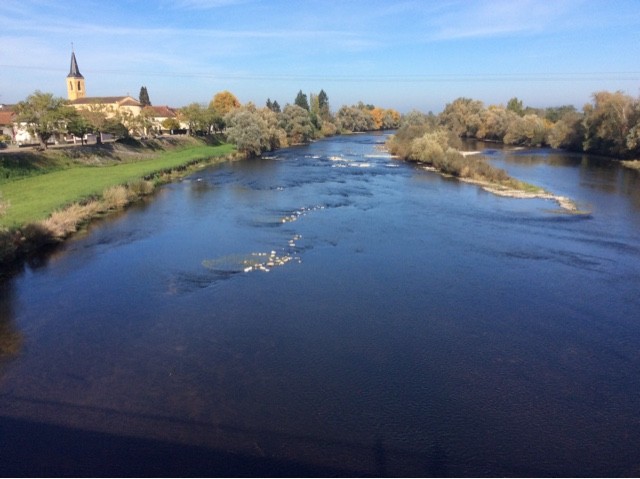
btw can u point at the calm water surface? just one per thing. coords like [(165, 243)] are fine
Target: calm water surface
[(330, 311)]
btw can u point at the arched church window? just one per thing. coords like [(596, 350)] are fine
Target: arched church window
[(71, 85), (79, 87)]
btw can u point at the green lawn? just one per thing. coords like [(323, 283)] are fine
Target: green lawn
[(35, 198)]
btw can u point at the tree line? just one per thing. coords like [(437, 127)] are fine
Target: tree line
[(253, 129), (609, 125)]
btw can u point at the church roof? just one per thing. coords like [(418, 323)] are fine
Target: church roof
[(128, 101), (74, 72), (121, 100)]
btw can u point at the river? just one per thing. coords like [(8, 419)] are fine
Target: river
[(331, 311)]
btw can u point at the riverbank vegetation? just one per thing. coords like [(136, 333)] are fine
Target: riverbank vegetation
[(423, 140), (52, 202), (256, 130), (609, 125)]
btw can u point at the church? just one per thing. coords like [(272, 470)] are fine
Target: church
[(110, 105)]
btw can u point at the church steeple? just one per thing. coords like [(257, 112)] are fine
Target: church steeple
[(75, 80)]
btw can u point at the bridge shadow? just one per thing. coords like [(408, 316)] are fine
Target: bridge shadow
[(32, 449)]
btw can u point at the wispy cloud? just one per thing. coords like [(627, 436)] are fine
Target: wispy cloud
[(499, 17)]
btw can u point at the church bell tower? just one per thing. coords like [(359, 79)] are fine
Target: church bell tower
[(75, 80)]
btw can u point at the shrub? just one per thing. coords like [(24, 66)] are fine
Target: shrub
[(61, 223), (116, 197), (140, 188)]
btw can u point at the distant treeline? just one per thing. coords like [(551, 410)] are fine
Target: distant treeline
[(255, 130), (610, 125)]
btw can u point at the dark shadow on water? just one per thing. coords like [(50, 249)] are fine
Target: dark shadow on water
[(62, 451)]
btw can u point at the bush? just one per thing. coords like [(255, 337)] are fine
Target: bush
[(62, 223), (116, 197), (140, 188)]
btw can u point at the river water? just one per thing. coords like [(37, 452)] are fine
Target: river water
[(331, 311)]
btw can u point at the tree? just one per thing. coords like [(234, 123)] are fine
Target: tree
[(515, 106), (568, 132), (247, 130), (608, 122), (323, 106), (78, 126), (224, 102), (116, 128), (530, 130), (96, 114), (554, 114), (353, 118), (462, 116), (194, 115), (274, 136), (296, 122), (301, 101), (494, 122), (44, 115), (144, 97), (170, 124)]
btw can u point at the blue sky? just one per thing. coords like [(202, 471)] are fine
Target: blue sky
[(394, 54)]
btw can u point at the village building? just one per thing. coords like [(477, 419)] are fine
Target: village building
[(111, 106), (126, 108), (7, 120)]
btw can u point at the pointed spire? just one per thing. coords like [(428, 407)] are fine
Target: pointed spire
[(74, 72)]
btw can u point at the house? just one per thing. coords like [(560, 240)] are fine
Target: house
[(7, 118), (12, 131), (159, 116)]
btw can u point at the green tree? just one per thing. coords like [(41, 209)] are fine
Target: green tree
[(198, 117), (78, 125), (144, 97), (116, 128), (323, 105), (354, 118), (44, 115), (296, 122), (170, 124), (554, 114), (515, 106), (247, 130), (301, 101), (96, 114)]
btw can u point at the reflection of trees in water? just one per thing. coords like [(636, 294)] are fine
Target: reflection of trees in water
[(10, 337)]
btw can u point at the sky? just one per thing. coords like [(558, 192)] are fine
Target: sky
[(413, 54)]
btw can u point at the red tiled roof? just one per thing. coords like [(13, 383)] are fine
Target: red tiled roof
[(161, 111), (6, 117)]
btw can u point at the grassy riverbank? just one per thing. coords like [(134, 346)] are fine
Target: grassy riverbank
[(49, 194)]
